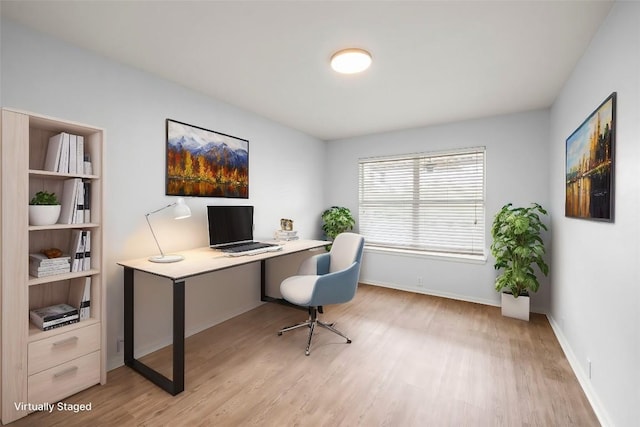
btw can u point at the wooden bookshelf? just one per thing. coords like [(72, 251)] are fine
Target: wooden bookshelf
[(45, 366)]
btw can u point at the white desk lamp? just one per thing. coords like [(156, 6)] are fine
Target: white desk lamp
[(180, 211)]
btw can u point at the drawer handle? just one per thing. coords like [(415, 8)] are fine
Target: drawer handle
[(67, 371), (65, 341)]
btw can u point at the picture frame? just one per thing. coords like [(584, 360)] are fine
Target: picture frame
[(590, 165), (204, 163)]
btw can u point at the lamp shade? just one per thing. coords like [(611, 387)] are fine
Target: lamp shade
[(181, 210)]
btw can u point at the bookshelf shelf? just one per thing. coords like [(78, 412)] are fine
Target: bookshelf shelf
[(30, 356)]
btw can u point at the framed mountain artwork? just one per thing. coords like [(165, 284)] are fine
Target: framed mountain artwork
[(204, 163)]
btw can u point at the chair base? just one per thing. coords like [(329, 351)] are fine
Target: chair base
[(311, 324)]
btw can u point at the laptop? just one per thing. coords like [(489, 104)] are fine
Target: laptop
[(231, 231)]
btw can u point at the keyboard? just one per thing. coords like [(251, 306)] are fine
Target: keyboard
[(252, 248)]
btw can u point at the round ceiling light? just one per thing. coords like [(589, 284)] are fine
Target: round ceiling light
[(351, 61)]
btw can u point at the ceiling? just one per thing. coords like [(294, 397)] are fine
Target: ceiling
[(433, 61)]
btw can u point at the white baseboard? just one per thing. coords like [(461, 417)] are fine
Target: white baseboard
[(432, 293), (582, 376)]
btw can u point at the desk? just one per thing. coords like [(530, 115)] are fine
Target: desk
[(197, 261)]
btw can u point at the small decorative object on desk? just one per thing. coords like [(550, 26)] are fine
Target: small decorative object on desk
[(286, 224), (286, 235)]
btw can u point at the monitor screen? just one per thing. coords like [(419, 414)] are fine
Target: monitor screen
[(229, 224)]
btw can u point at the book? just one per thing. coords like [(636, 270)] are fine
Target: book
[(42, 259), (63, 164), (59, 322), (80, 296), (86, 254), (54, 151), (80, 154), (69, 205), (73, 152), (52, 315), (77, 249), (78, 216), (87, 201)]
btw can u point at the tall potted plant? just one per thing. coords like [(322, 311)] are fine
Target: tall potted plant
[(517, 246), (336, 220)]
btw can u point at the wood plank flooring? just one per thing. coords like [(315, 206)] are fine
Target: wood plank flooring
[(415, 360)]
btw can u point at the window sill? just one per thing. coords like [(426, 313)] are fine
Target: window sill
[(472, 259)]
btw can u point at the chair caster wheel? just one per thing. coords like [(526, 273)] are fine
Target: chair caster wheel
[(306, 353), (279, 333), (348, 341)]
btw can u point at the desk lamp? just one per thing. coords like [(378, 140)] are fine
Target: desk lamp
[(180, 211)]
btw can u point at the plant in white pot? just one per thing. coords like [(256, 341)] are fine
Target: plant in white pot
[(44, 209), (517, 246)]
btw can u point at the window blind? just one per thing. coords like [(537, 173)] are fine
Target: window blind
[(428, 202)]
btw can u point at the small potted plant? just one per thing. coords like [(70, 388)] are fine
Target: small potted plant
[(336, 220), (517, 246), (44, 209)]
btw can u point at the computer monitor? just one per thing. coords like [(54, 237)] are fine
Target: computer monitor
[(229, 225)]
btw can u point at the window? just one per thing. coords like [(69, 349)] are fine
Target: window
[(432, 202)]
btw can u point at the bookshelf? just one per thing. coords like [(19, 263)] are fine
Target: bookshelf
[(45, 366)]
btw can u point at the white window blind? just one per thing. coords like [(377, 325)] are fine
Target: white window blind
[(428, 202)]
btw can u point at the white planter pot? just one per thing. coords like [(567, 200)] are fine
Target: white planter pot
[(515, 307), (43, 214)]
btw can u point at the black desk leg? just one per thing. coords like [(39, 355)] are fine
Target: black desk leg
[(177, 385)]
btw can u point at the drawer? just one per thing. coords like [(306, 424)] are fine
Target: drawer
[(64, 380), (52, 351)]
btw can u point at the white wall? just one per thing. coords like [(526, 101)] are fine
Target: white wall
[(517, 172), (596, 287), (49, 77)]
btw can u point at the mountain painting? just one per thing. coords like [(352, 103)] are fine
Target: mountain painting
[(204, 163)]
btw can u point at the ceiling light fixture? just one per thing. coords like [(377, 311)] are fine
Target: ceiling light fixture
[(351, 61)]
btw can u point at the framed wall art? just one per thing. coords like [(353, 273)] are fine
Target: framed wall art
[(204, 163), (590, 165)]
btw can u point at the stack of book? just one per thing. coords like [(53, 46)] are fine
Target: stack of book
[(40, 265), (80, 296), (65, 154), (54, 316), (286, 235)]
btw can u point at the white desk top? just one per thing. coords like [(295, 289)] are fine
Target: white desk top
[(205, 260)]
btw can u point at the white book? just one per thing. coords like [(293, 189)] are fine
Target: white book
[(86, 255), (54, 151), (80, 154), (78, 217), (42, 259), (87, 201), (76, 250), (73, 152), (69, 193), (80, 296), (63, 166)]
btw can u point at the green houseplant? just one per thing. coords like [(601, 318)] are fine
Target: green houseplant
[(517, 246), (336, 220), (44, 209)]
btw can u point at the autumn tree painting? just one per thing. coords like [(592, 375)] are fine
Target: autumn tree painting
[(204, 163)]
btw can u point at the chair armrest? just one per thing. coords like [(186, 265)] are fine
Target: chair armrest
[(315, 265), (337, 287)]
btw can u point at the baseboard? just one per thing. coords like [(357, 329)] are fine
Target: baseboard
[(582, 376), (432, 293)]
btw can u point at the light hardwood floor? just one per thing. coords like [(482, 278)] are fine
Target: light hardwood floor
[(415, 360)]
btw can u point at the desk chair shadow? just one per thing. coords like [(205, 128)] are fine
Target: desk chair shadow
[(329, 278)]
